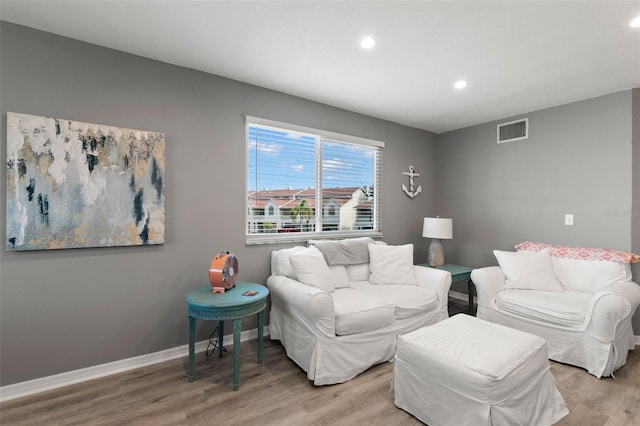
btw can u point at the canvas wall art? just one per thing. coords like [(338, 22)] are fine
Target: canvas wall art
[(72, 184)]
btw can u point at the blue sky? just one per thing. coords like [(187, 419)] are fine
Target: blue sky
[(287, 159)]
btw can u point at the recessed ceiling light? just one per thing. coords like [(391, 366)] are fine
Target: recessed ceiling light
[(635, 23), (461, 84), (367, 43)]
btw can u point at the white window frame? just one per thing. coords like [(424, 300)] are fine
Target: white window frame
[(268, 238)]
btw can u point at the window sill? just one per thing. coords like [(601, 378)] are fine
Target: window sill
[(258, 239)]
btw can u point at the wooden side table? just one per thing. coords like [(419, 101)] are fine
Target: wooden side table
[(232, 305), (460, 273)]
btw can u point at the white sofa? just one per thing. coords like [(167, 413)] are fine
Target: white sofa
[(579, 302), (336, 319)]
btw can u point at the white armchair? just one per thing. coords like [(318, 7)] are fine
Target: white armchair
[(583, 309)]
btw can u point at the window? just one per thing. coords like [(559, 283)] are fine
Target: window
[(324, 184)]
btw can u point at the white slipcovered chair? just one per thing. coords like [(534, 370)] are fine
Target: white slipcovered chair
[(338, 307), (580, 300)]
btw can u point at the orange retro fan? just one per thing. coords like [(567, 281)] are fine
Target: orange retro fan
[(223, 272)]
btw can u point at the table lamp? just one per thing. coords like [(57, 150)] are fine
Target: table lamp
[(437, 228)]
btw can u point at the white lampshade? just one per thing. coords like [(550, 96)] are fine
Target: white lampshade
[(438, 227)]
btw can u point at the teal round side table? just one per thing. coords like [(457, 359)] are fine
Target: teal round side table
[(233, 304)]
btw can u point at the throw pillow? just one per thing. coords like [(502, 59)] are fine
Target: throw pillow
[(311, 269), (589, 276), (392, 264), (282, 262), (528, 270)]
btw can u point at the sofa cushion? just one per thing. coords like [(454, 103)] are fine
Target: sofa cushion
[(565, 309), (408, 300), (358, 272), (311, 269), (589, 276), (358, 312), (338, 276), (392, 264), (528, 270)]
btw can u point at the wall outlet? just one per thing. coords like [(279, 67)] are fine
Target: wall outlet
[(568, 219)]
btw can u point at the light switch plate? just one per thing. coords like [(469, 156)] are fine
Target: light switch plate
[(568, 219)]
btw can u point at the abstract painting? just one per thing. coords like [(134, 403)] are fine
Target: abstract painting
[(72, 184)]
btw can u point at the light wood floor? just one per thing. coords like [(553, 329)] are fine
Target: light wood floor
[(277, 392)]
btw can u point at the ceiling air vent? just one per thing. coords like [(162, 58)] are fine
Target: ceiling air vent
[(513, 130)]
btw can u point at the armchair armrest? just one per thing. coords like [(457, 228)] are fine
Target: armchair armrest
[(629, 290), (488, 281), (436, 280), (308, 307), (609, 307)]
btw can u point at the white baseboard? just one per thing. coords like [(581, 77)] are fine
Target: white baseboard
[(34, 386), (31, 387)]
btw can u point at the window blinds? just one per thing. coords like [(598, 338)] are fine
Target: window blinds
[(309, 182)]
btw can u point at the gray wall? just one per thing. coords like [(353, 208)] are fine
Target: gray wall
[(576, 160), (68, 309), (62, 310)]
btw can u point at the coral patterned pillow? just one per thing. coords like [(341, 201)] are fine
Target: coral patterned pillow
[(580, 253)]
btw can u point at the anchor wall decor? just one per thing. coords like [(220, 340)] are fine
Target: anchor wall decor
[(411, 192)]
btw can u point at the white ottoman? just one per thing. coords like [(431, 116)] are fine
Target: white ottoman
[(467, 371)]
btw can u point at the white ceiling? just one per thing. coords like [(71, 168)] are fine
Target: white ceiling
[(518, 56)]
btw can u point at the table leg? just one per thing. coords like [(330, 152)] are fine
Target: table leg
[(236, 353), (220, 338), (470, 290), (260, 335), (192, 347)]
